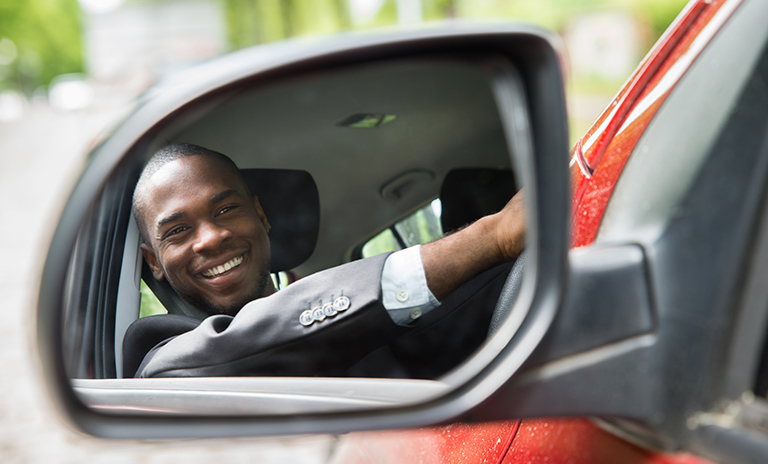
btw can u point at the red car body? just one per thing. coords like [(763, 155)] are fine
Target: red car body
[(597, 162)]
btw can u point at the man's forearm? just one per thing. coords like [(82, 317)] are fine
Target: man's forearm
[(488, 242)]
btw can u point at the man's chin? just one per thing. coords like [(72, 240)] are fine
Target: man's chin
[(213, 308), (230, 308)]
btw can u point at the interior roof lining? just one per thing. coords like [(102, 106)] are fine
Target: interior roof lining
[(445, 114)]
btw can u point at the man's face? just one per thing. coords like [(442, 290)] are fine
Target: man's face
[(206, 235)]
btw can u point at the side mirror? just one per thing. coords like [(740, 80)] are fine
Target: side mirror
[(463, 96)]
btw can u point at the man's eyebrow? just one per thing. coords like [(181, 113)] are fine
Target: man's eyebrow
[(223, 196), (170, 218)]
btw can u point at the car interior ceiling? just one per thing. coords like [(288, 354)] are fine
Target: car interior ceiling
[(445, 118)]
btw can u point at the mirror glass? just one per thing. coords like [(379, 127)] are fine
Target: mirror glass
[(348, 163)]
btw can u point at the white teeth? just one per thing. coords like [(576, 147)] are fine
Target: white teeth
[(219, 270)]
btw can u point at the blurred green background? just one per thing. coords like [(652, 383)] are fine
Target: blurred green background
[(43, 39)]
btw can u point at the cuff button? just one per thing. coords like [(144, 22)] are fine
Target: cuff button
[(318, 314), (306, 318), (329, 310), (341, 304)]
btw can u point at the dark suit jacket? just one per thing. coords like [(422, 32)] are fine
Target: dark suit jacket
[(266, 337)]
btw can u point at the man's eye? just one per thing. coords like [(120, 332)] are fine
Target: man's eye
[(226, 209), (175, 231)]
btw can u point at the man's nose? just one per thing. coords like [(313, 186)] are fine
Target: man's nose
[(209, 237)]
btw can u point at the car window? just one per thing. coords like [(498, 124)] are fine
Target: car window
[(422, 226), (150, 305)]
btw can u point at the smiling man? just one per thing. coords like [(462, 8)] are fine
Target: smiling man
[(413, 313), (202, 230)]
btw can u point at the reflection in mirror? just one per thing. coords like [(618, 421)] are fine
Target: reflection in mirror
[(347, 163)]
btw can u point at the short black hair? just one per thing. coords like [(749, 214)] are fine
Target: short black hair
[(164, 156)]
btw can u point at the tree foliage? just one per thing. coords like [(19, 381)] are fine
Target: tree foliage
[(657, 14), (252, 22), (47, 35), (554, 14)]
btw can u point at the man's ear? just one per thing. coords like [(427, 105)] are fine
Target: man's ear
[(260, 212), (151, 258)]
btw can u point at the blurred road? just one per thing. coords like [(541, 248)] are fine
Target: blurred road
[(40, 158)]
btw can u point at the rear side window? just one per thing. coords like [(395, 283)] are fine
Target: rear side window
[(422, 226)]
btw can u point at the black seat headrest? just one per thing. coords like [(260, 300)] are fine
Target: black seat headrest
[(292, 205)]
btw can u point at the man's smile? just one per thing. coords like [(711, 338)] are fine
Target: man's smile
[(222, 269)]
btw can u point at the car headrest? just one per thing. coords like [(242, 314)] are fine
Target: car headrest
[(291, 203), (467, 194)]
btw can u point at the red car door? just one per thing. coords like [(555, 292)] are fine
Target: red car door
[(596, 165)]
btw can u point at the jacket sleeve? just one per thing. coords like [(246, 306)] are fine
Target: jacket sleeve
[(267, 337)]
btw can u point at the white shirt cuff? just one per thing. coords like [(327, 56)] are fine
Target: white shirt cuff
[(404, 290)]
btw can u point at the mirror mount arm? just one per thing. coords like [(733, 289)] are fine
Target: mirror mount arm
[(605, 321), (608, 299)]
